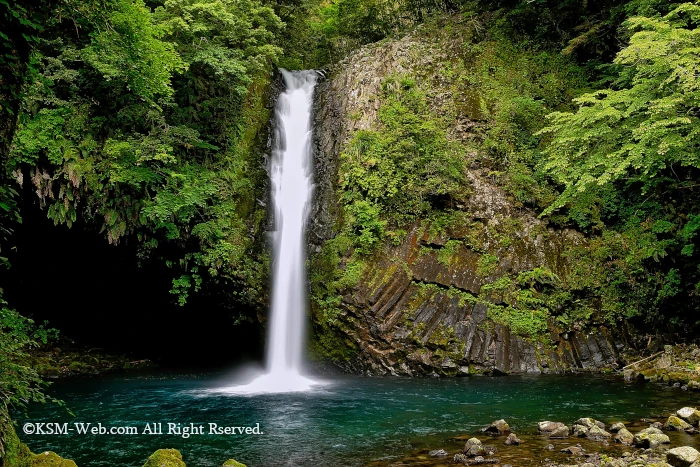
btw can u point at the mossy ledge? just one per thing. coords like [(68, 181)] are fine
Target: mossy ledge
[(14, 453)]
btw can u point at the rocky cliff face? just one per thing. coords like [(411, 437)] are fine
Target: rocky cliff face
[(420, 306)]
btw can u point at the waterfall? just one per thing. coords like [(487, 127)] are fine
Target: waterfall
[(291, 175)]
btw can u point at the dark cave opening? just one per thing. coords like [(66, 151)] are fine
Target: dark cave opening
[(96, 295)]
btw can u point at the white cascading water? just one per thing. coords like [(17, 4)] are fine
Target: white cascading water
[(292, 186)]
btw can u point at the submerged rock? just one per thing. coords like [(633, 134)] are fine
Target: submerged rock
[(684, 456), (512, 440), (575, 450), (165, 458), (438, 453), (690, 415), (497, 427), (676, 424), (650, 438), (624, 436)]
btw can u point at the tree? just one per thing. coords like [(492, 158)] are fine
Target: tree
[(646, 128)]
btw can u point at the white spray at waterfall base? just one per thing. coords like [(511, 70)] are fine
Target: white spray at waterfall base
[(292, 186)]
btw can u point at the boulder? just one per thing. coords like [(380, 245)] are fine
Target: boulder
[(589, 423), (474, 451), (580, 431), (560, 433), (232, 463), (548, 427), (650, 438), (690, 415), (512, 440), (496, 428), (438, 453), (676, 424), (165, 458), (684, 456), (598, 434), (471, 442), (473, 448), (657, 425), (51, 459), (624, 436), (617, 427), (574, 450)]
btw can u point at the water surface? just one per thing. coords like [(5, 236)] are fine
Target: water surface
[(351, 421)]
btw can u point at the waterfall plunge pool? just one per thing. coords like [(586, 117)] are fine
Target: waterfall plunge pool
[(349, 421)]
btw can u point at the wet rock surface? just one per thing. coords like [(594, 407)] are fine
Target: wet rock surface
[(536, 449)]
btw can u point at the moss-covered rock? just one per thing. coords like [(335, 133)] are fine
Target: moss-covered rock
[(650, 438), (165, 458), (232, 463), (50, 459), (689, 414), (17, 454), (676, 424)]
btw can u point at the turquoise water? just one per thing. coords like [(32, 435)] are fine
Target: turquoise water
[(351, 421)]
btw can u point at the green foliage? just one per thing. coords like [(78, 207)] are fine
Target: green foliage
[(627, 159), (20, 384), (640, 132), (149, 128), (408, 167)]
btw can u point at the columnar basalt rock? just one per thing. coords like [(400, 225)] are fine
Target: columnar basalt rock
[(413, 311)]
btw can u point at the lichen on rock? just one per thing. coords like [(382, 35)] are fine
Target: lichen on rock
[(165, 458)]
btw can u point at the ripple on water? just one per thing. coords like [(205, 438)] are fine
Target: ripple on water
[(351, 422)]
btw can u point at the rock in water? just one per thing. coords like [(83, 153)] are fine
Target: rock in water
[(165, 458), (684, 456), (51, 459), (676, 424), (549, 447), (690, 415), (475, 451), (650, 438), (575, 450), (471, 442), (497, 427), (580, 431), (460, 458), (560, 433), (438, 453), (624, 436), (232, 463), (490, 450), (617, 427), (548, 427), (589, 423), (512, 440), (598, 434)]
